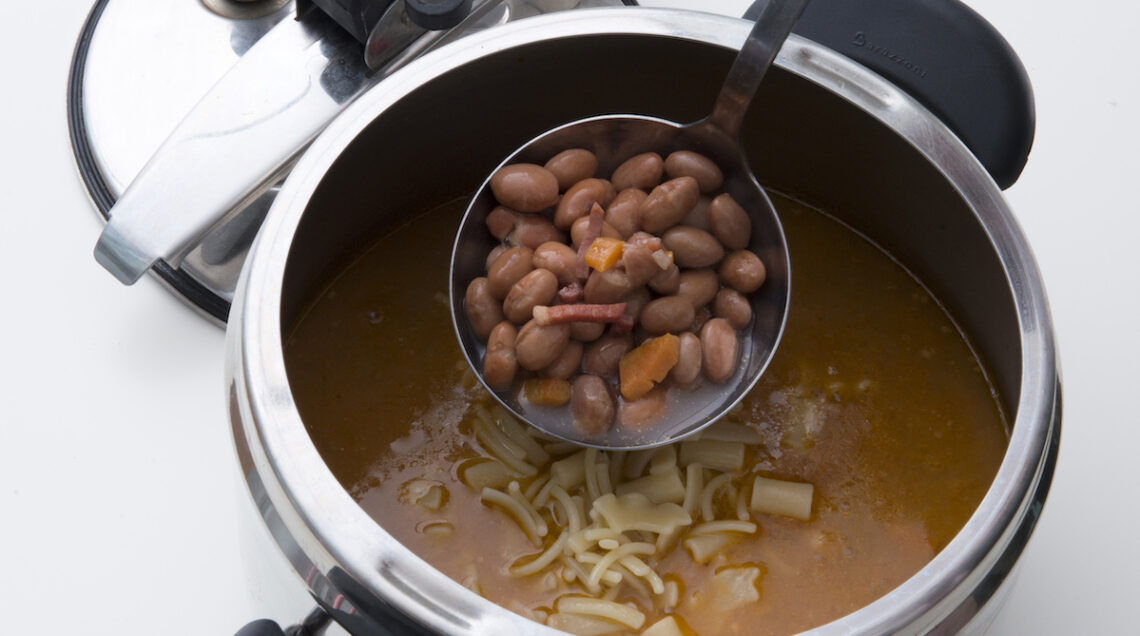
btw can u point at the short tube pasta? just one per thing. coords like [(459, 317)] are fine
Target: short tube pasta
[(777, 497)]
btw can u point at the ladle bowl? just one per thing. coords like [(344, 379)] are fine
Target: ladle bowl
[(614, 139)]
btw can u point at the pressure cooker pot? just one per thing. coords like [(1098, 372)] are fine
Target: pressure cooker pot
[(823, 130)]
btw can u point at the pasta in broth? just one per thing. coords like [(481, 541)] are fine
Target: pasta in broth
[(863, 450)]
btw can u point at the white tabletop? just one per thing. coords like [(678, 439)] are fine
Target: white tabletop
[(122, 508)]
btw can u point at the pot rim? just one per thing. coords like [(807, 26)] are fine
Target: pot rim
[(335, 532)]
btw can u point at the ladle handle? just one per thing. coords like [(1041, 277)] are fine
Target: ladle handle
[(773, 24)]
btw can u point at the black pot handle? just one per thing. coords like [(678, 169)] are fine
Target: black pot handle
[(947, 57), (316, 621), (261, 627)]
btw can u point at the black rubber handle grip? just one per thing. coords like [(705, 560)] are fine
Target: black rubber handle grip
[(261, 627), (947, 57)]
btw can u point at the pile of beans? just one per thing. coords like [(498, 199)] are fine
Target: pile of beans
[(589, 270)]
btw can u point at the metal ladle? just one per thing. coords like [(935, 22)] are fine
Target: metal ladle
[(614, 138)]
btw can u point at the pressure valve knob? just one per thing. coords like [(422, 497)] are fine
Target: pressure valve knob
[(436, 15)]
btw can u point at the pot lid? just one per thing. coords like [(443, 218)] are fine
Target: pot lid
[(151, 79), (139, 66)]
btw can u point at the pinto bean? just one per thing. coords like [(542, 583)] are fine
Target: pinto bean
[(559, 258), (734, 307), (668, 282), (699, 286), (639, 264), (571, 166), (533, 230), (539, 287), (635, 302), (591, 405), (511, 266), (611, 193), (604, 288), (668, 203), (692, 247), (578, 200), (578, 230), (645, 410), (494, 255), (686, 163), (500, 362), (743, 271), (602, 356), (641, 171), (539, 345), (688, 367), (525, 187), (698, 217), (587, 331), (700, 317), (566, 364), (484, 311), (501, 221), (623, 212), (719, 348), (729, 222), (670, 314)]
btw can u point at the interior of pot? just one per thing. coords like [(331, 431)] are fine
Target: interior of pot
[(439, 142), (801, 140)]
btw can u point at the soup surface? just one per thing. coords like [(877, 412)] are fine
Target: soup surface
[(874, 398)]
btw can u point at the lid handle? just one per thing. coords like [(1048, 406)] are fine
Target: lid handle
[(238, 140)]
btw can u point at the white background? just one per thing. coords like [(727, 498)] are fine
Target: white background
[(121, 511)]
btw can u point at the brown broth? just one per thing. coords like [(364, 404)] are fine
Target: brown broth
[(874, 397)]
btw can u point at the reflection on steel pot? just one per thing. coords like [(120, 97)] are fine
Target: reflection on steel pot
[(822, 128)]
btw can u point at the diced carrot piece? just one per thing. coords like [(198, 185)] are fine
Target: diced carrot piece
[(647, 364), (604, 253), (547, 391)]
